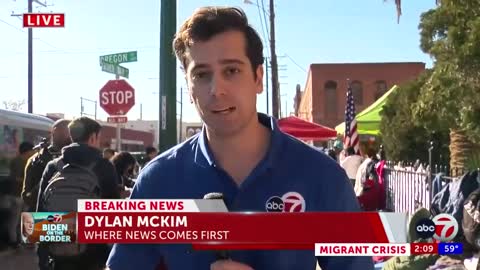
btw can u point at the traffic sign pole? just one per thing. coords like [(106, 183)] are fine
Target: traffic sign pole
[(168, 76), (118, 141), (111, 63)]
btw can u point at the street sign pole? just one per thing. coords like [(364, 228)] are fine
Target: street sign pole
[(168, 76), (111, 63), (117, 97), (118, 141)]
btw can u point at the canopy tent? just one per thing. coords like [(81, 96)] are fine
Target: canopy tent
[(368, 120), (305, 130)]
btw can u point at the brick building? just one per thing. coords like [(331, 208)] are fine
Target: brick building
[(132, 140), (323, 98)]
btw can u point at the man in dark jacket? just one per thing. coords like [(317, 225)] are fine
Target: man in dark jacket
[(18, 164), (37, 163), (84, 151)]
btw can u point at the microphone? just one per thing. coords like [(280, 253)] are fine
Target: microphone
[(220, 254)]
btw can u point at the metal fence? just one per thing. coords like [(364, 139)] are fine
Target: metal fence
[(409, 186)]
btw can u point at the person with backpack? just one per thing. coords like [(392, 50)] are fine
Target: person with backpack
[(80, 172), (46, 151)]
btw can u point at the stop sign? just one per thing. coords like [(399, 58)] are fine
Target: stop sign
[(117, 97)]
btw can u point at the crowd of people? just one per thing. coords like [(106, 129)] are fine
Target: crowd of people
[(73, 144), (365, 172)]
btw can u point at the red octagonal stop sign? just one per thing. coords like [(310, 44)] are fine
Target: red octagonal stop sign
[(117, 97)]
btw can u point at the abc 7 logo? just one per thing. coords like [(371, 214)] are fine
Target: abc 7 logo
[(443, 227), (55, 218), (290, 202)]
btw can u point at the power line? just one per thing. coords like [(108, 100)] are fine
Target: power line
[(44, 42), (264, 16), (23, 31), (291, 59), (13, 26), (67, 51), (263, 26)]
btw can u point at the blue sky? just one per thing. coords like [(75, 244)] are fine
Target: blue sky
[(66, 61)]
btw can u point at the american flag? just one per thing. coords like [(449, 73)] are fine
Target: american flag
[(351, 136)]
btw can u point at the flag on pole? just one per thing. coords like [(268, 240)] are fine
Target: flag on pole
[(351, 138)]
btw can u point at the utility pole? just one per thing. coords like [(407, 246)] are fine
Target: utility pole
[(30, 54), (168, 76), (30, 62), (274, 67)]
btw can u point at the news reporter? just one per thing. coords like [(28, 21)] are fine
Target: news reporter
[(239, 153)]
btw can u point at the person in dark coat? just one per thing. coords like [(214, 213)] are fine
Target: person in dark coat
[(84, 151)]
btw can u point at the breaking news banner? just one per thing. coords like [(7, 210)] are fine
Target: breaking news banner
[(48, 227), (207, 225)]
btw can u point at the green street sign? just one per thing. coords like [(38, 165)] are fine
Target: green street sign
[(115, 69), (118, 58)]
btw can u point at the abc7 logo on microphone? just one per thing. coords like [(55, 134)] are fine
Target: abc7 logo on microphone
[(442, 227)]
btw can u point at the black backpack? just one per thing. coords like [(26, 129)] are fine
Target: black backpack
[(70, 183)]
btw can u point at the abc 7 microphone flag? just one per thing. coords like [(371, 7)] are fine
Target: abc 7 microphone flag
[(442, 227), (207, 225)]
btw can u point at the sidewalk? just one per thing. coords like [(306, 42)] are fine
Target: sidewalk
[(19, 259)]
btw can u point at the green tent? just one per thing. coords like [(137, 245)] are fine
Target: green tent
[(368, 120)]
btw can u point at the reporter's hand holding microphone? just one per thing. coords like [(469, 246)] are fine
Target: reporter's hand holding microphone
[(223, 259)]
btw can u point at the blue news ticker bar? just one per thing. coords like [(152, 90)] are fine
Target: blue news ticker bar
[(450, 248)]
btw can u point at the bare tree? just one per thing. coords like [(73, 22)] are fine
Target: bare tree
[(14, 105)]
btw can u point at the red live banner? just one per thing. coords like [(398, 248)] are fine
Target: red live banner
[(43, 20), (231, 230)]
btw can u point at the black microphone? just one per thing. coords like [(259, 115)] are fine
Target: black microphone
[(220, 254)]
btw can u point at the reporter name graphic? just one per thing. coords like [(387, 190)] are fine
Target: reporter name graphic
[(138, 221), (140, 225), (135, 221)]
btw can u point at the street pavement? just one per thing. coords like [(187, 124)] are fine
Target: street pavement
[(22, 258)]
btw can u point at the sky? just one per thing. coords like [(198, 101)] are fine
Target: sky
[(66, 60)]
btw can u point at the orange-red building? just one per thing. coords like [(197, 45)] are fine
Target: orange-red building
[(324, 95)]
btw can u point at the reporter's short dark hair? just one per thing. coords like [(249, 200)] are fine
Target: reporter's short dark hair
[(207, 22), (82, 128)]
